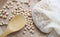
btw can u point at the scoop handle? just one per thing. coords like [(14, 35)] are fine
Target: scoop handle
[(5, 33)]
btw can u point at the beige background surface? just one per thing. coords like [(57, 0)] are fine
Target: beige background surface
[(37, 33)]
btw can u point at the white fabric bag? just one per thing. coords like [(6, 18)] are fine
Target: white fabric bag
[(50, 8)]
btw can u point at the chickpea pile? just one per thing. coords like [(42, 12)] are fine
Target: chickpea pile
[(14, 7)]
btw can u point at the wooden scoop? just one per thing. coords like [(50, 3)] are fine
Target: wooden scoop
[(16, 23)]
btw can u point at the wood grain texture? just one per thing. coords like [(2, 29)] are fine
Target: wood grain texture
[(2, 2)]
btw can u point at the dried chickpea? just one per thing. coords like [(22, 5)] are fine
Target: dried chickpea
[(26, 2), (4, 16), (31, 31), (0, 23), (24, 32)]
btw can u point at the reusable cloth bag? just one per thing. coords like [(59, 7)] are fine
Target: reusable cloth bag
[(50, 8)]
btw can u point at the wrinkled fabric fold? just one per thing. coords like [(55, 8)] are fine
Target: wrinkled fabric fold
[(51, 8)]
